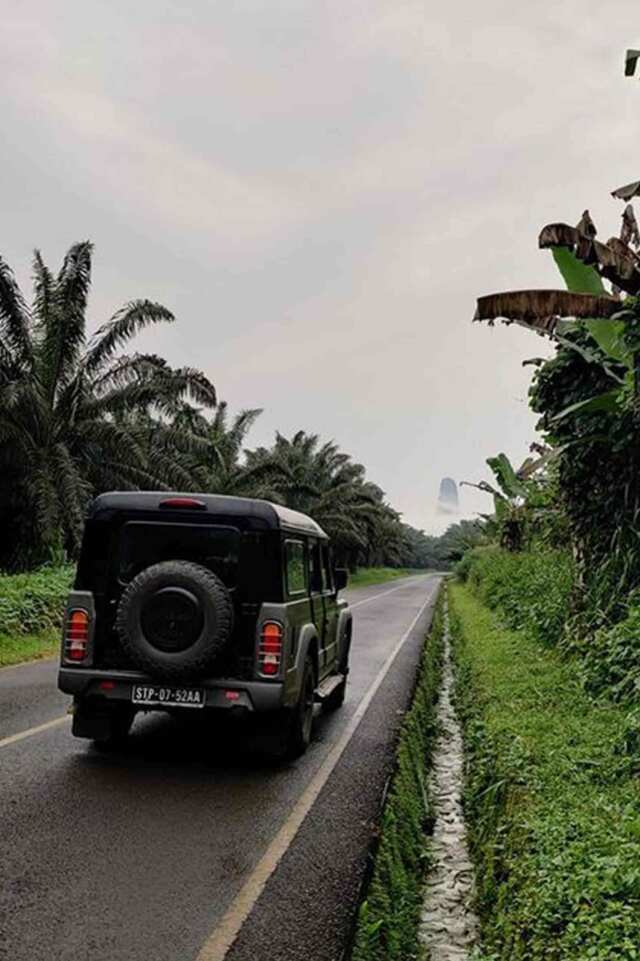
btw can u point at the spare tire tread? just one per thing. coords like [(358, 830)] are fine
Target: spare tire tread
[(211, 584)]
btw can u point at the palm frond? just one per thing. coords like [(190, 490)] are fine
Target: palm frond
[(43, 290), (65, 328), (73, 491), (127, 322), (127, 369), (14, 317), (196, 384)]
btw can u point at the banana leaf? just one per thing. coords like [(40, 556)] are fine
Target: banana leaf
[(602, 403), (506, 476), (628, 191), (609, 336), (580, 278), (616, 260), (540, 309)]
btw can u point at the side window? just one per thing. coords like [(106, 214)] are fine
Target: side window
[(315, 569), (327, 565), (296, 567)]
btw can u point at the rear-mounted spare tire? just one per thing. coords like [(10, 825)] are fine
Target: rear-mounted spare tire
[(174, 619)]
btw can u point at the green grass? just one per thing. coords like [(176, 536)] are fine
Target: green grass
[(552, 797), (387, 928), (29, 647), (378, 575), (31, 611)]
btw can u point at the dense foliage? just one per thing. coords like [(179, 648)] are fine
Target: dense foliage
[(551, 797), (610, 659), (598, 472), (531, 589), (582, 499), (34, 602)]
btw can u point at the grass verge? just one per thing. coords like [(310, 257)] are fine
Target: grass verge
[(28, 647), (378, 575), (552, 798), (387, 927), (31, 610)]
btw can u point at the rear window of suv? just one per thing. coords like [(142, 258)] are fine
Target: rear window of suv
[(143, 544)]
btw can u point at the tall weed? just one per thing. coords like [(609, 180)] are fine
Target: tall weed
[(30, 603), (531, 590)]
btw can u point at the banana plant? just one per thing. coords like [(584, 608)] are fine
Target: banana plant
[(510, 495), (583, 262)]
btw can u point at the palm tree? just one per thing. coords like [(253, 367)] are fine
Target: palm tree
[(219, 466), (76, 416), (323, 481)]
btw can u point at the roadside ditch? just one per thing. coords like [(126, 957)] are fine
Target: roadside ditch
[(417, 902)]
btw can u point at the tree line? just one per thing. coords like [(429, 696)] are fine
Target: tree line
[(80, 415)]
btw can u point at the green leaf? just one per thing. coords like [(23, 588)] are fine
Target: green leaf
[(609, 336), (601, 403), (590, 356), (579, 277), (505, 475), (566, 325)]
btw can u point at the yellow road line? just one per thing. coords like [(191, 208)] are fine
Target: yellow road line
[(224, 934)]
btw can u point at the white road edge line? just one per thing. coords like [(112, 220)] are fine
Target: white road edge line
[(6, 741), (217, 945), (375, 597)]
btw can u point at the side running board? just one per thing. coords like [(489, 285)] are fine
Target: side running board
[(326, 687)]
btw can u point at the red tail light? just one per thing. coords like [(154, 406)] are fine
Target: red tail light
[(76, 638), (270, 649)]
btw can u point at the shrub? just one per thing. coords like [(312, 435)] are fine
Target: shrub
[(611, 660)]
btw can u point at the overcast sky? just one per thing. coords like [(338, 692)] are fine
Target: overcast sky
[(319, 191)]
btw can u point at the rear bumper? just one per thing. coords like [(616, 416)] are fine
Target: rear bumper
[(253, 696)]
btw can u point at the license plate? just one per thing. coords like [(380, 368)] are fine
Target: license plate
[(156, 696)]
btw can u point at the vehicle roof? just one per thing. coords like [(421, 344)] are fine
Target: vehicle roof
[(273, 516)]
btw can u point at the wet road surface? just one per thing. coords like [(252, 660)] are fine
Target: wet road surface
[(143, 853)]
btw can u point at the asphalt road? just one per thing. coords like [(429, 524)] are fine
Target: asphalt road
[(187, 842)]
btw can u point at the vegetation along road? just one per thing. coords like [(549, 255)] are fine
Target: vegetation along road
[(188, 845)]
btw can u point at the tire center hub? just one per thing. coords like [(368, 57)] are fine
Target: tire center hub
[(172, 619)]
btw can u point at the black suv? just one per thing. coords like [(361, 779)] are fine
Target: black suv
[(202, 603)]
